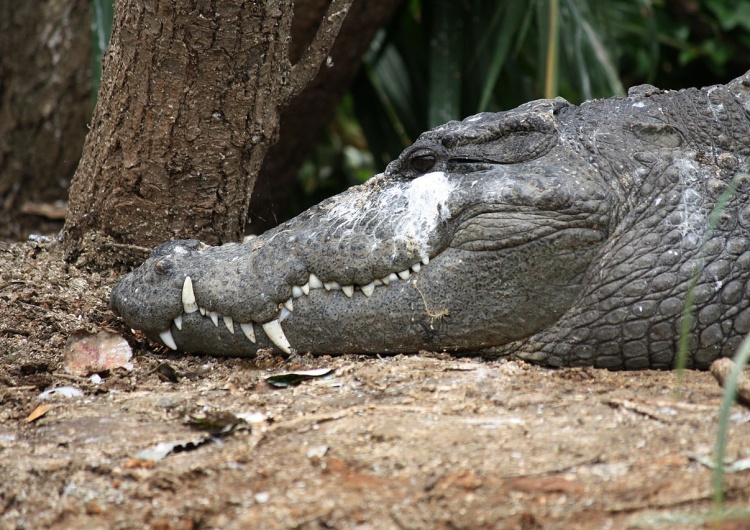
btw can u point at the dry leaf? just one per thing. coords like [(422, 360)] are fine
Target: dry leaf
[(87, 353), (38, 412)]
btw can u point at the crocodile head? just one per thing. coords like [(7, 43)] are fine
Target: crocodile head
[(477, 235)]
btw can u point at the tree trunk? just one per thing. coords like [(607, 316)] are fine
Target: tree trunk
[(188, 106), (45, 101)]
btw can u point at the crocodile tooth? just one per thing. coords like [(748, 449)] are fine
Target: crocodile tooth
[(315, 282), (368, 289), (188, 296), (276, 334), (306, 288), (376, 282), (416, 267), (202, 310), (289, 305), (332, 286), (392, 277), (167, 339), (284, 314), (229, 323), (214, 316), (249, 332), (348, 290), (404, 275), (426, 260), (178, 322), (386, 280), (297, 291)]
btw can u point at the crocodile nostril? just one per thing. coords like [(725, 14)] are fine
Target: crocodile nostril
[(163, 266)]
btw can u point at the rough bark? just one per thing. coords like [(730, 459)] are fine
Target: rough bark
[(45, 101), (188, 105), (303, 121)]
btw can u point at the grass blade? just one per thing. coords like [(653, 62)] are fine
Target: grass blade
[(445, 58), (551, 75), (513, 24)]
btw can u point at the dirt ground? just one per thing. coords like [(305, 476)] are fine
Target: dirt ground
[(409, 442)]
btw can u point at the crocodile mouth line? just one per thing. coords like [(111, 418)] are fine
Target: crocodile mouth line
[(272, 328)]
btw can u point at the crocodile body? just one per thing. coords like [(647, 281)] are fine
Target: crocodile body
[(565, 235)]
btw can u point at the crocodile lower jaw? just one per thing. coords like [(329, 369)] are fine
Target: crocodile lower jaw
[(273, 327)]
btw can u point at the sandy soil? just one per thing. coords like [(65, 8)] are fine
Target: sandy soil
[(417, 442)]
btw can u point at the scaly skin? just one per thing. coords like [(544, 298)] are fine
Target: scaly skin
[(563, 235)]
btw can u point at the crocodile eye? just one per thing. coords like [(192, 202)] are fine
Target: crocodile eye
[(163, 266), (422, 163)]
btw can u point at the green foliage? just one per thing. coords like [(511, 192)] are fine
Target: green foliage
[(445, 60), (101, 30), (448, 59)]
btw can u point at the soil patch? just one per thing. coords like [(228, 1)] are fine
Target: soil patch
[(426, 441)]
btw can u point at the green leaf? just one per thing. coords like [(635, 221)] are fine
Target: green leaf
[(514, 21), (101, 30), (445, 61)]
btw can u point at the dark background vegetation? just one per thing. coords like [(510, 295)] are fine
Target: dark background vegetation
[(434, 61)]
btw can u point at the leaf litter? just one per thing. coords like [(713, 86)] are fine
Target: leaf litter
[(398, 441)]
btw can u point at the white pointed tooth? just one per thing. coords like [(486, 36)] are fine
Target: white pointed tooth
[(348, 290), (332, 286), (377, 282), (167, 339), (229, 323), (188, 296), (276, 334), (392, 277), (306, 288), (416, 267), (284, 314), (297, 291), (405, 274), (315, 282), (426, 260), (178, 322), (386, 280), (249, 332), (289, 305), (202, 310), (368, 289), (214, 316)]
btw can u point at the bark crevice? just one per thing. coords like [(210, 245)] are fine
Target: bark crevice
[(178, 137)]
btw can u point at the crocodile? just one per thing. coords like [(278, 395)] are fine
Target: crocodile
[(567, 235)]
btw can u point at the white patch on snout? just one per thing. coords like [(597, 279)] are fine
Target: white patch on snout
[(411, 210), (426, 207), (427, 204)]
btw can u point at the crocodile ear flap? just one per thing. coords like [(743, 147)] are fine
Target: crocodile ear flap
[(656, 134), (522, 134), (512, 148)]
